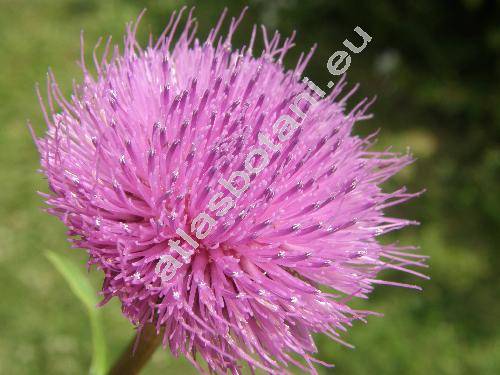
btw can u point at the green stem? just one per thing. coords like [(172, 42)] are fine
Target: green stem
[(130, 362)]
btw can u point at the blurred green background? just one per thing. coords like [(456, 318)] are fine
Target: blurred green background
[(435, 68)]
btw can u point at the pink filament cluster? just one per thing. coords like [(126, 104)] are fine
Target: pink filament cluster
[(137, 152)]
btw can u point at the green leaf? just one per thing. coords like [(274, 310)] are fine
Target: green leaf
[(81, 287)]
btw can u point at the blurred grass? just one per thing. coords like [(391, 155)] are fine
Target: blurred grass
[(435, 95)]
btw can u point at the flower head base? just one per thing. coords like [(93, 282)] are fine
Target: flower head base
[(138, 152)]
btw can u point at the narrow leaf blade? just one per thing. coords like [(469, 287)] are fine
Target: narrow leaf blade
[(81, 287)]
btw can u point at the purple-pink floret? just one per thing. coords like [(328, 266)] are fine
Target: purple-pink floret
[(137, 152)]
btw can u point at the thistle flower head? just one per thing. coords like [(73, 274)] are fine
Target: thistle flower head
[(279, 216)]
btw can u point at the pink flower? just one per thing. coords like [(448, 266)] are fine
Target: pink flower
[(139, 151)]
